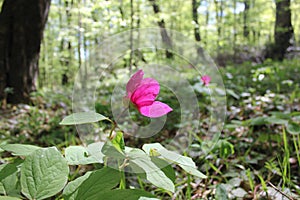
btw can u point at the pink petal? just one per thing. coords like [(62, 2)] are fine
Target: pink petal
[(134, 82), (157, 109), (146, 92), (206, 79)]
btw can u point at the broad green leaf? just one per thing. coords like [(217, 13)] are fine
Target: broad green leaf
[(221, 193), (293, 128), (128, 194), (184, 162), (165, 167), (82, 118), (98, 181), (79, 155), (110, 150), (94, 149), (71, 190), (8, 198), (44, 173), (280, 115), (232, 93), (115, 147), (9, 179), (153, 173), (274, 120), (147, 198), (192, 170), (19, 149), (239, 192), (258, 121)]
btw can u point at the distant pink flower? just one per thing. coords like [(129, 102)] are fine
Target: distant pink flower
[(205, 80), (142, 92)]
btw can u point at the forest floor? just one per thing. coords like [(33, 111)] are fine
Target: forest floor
[(258, 153)]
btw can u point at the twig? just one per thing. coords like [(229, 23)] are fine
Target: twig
[(278, 190)]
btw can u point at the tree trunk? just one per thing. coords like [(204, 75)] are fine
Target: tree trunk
[(21, 30), (246, 14), (195, 6), (283, 30), (197, 34), (164, 34)]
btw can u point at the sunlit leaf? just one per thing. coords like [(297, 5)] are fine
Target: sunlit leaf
[(82, 118), (153, 173), (79, 155), (184, 162), (44, 173), (19, 149)]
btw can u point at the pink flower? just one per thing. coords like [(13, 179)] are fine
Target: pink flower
[(205, 79), (142, 92)]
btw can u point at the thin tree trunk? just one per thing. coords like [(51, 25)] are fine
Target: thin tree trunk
[(197, 35), (164, 34), (21, 31), (245, 15), (206, 23), (195, 6), (234, 31)]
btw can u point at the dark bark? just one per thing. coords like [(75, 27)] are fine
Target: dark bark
[(195, 6), (21, 30), (197, 35), (246, 13), (283, 30), (164, 34)]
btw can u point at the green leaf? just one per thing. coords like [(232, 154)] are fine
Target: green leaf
[(79, 155), (115, 147), (8, 198), (165, 167), (147, 198), (9, 179), (82, 118), (19, 149), (280, 115), (118, 141), (293, 128), (275, 120), (98, 182), (221, 193), (258, 121), (110, 150), (94, 149), (153, 173), (232, 93), (184, 162), (239, 192), (128, 194), (44, 173), (226, 148), (71, 190)]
